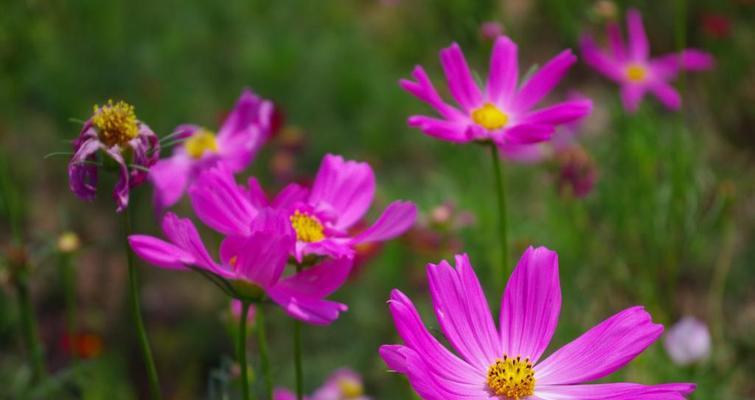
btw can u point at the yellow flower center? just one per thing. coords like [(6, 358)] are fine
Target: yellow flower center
[(233, 261), (201, 142), (636, 73), (116, 124), (490, 117), (350, 389), (308, 228), (511, 378)]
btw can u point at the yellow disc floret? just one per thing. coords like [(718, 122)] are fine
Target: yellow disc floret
[(511, 378), (200, 142), (116, 124), (490, 117), (350, 388), (636, 73), (308, 228)]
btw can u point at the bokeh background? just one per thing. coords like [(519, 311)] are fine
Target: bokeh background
[(668, 222)]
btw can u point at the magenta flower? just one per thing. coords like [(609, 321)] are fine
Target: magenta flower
[(114, 129), (343, 384), (504, 363), (251, 265), (632, 68), (500, 112), (243, 132), (321, 216)]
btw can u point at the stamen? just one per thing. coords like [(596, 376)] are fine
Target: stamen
[(116, 124), (307, 227), (200, 142), (511, 378), (636, 73), (490, 117)]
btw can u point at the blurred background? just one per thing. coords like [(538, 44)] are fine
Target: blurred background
[(654, 209)]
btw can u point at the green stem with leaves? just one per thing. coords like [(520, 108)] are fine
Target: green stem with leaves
[(136, 312)]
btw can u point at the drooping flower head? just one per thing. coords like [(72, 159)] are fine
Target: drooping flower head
[(343, 384), (131, 144), (244, 131), (321, 217), (504, 363), (251, 265), (635, 71), (502, 111)]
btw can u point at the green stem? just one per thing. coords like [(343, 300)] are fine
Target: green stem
[(297, 354), (241, 347), (264, 357), (69, 294), (500, 276), (136, 312), (29, 326)]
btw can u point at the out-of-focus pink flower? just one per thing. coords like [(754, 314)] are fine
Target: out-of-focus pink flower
[(439, 229), (490, 30), (244, 131), (577, 172), (501, 112), (321, 217), (632, 68), (343, 384), (688, 341), (717, 26), (131, 144), (236, 309), (252, 263), (504, 363)]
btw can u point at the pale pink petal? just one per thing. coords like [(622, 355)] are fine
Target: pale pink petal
[(424, 90), (462, 310), (220, 203), (667, 95), (343, 187), (543, 81), (159, 252), (321, 280), (451, 131), (460, 81), (639, 50), (560, 113), (531, 304), (600, 351), (599, 61), (615, 391), (504, 71), (397, 218), (631, 96), (169, 177)]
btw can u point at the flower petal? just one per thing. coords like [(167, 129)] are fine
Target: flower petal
[(220, 203), (345, 187), (183, 234), (462, 310), (543, 81), (321, 280), (169, 177), (159, 252), (397, 358), (526, 133), (460, 81), (560, 113), (668, 66), (290, 195), (244, 130), (311, 310), (616, 42), (424, 90), (667, 95), (395, 220), (266, 249), (631, 96), (615, 391), (122, 186), (531, 304), (391, 355), (449, 131), (639, 50), (600, 351), (82, 175), (504, 71), (599, 61), (283, 394)]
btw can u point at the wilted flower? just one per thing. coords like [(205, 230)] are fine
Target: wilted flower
[(632, 68), (242, 133), (688, 341), (343, 384), (321, 217), (501, 112), (503, 363), (252, 264), (114, 129)]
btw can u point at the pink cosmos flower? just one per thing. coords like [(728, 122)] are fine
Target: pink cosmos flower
[(504, 363), (501, 112), (632, 68), (241, 135), (321, 216), (343, 384), (114, 129), (253, 264), (688, 341)]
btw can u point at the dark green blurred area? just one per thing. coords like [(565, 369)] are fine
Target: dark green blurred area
[(671, 215)]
